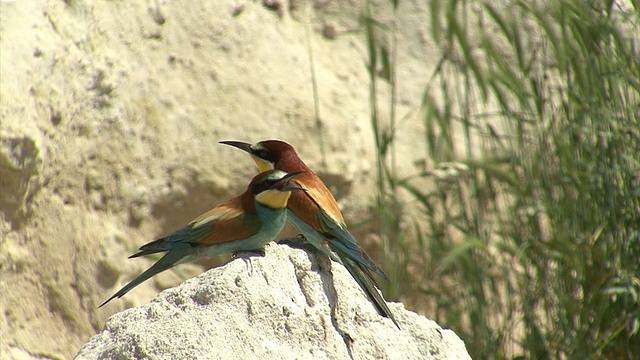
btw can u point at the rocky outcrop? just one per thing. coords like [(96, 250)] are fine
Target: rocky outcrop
[(289, 304)]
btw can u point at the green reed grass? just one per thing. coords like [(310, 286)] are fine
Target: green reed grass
[(528, 242), (387, 204)]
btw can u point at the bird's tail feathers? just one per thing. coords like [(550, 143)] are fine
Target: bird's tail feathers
[(174, 241), (168, 261), (357, 254), (365, 279)]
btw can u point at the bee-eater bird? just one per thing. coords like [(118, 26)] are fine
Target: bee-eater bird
[(245, 223), (315, 213)]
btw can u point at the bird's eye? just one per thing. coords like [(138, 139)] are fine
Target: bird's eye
[(266, 184), (263, 154)]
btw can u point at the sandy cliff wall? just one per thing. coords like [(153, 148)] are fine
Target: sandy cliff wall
[(110, 116)]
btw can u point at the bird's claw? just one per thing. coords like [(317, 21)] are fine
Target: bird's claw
[(259, 252), (247, 259), (299, 242)]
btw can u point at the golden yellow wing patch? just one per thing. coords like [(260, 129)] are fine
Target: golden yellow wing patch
[(227, 222)]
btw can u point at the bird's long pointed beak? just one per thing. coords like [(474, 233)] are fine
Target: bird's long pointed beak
[(239, 144), (285, 183)]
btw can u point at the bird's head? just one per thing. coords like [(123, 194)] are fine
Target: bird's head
[(273, 188), (266, 154)]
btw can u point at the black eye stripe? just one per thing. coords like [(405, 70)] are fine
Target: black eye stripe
[(265, 155), (264, 185)]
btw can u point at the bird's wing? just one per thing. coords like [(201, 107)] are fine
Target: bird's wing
[(224, 223), (341, 238), (317, 207), (318, 192)]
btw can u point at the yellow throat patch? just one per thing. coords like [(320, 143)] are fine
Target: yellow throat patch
[(263, 165), (273, 198)]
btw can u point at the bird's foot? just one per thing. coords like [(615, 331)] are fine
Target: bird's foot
[(246, 256), (249, 253), (298, 242)]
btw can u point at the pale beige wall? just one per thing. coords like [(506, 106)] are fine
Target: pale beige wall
[(110, 116)]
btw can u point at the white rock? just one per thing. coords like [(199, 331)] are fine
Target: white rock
[(272, 307)]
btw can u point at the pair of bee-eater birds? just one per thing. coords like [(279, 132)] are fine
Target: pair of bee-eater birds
[(285, 189)]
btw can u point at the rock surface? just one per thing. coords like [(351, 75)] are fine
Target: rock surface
[(276, 306)]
